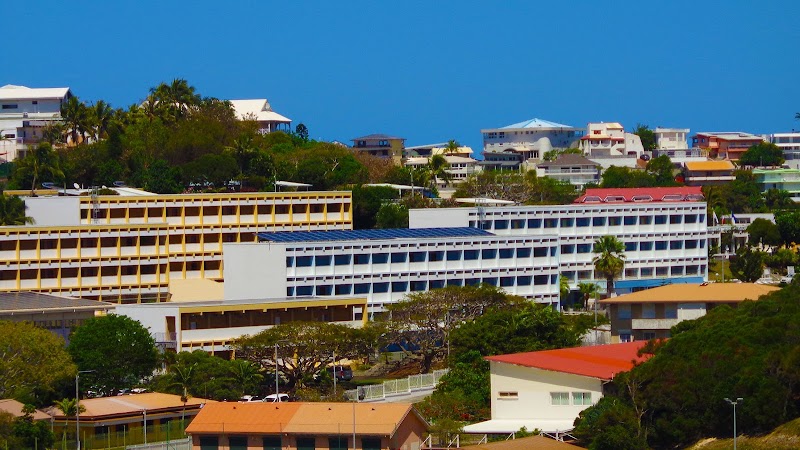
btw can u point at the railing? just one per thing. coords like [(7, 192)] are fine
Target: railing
[(396, 387), (182, 444), (168, 433)]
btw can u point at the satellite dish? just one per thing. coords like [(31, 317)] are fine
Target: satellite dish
[(104, 186), (76, 186)]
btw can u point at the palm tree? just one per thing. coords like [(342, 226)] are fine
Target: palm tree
[(75, 115), (245, 374), (175, 98), (588, 290), (68, 407), (437, 168), (182, 377), (243, 150), (452, 147), (102, 113), (40, 162), (12, 211), (609, 260)]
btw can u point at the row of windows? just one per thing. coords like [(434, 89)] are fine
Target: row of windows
[(569, 222), (644, 272), (276, 443), (418, 257), (648, 311), (563, 398), (416, 286)]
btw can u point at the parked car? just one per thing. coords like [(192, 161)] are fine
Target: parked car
[(280, 398), (343, 373), (249, 399)]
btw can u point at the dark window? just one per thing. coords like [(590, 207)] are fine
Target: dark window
[(305, 443), (540, 279), (399, 257), (379, 288), (583, 221), (488, 253), (500, 224), (539, 252), (304, 291), (304, 261), (598, 221), (323, 260), (644, 246), (417, 286), (455, 282), (630, 220), (472, 281), (614, 221), (550, 223), (645, 220), (380, 258), (10, 106), (361, 259), (290, 291), (567, 222), (417, 257), (237, 442), (324, 289), (273, 443), (524, 281), (675, 218), (584, 248), (209, 443), (470, 255), (630, 246), (661, 220), (675, 245), (337, 443), (399, 286), (453, 255), (517, 224), (534, 223), (371, 443), (506, 281), (435, 256), (436, 284), (524, 252), (289, 261), (361, 288), (492, 281), (343, 289), (661, 245), (567, 249), (690, 218), (341, 260), (506, 253)]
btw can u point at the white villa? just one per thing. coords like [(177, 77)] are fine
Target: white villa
[(512, 145), (261, 111), (610, 139), (24, 112)]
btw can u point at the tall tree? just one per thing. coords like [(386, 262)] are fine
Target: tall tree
[(662, 170), (763, 232), (246, 374), (609, 259), (119, 350), (762, 154), (588, 291), (301, 131), (76, 118), (12, 210), (102, 114), (438, 170), (748, 264), (788, 223), (38, 163), (452, 147), (647, 136)]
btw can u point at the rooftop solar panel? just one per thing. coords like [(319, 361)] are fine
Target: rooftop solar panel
[(358, 235)]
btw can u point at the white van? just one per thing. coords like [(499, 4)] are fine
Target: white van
[(280, 398)]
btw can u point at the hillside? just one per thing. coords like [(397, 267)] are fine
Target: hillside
[(784, 437)]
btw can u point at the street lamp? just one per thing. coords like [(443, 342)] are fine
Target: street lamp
[(734, 403), (277, 393), (78, 408)]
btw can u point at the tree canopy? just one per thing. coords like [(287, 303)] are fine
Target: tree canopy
[(647, 136), (118, 350), (527, 188), (762, 154), (609, 259)]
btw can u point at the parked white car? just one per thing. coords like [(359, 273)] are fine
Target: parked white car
[(280, 398)]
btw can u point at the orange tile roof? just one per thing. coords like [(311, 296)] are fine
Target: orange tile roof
[(301, 418), (133, 404), (14, 407), (600, 361), (709, 165), (694, 293), (531, 442)]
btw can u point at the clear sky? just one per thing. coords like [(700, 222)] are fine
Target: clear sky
[(430, 70)]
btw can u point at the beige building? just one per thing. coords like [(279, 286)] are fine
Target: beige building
[(651, 313)]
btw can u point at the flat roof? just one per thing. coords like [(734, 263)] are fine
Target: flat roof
[(238, 305), (731, 135), (599, 361), (360, 235), (378, 136), (36, 302), (696, 293), (709, 165), (13, 92)]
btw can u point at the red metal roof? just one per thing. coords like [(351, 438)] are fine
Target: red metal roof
[(600, 361), (642, 195)]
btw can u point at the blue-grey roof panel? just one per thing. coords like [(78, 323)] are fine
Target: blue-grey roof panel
[(358, 235)]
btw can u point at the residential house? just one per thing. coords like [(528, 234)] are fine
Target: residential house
[(60, 315), (382, 145), (651, 313), (708, 173), (13, 407), (606, 139), (440, 148), (725, 145), (24, 114), (509, 146), (546, 390), (301, 426), (779, 178), (790, 144), (129, 419), (261, 112), (671, 138), (572, 168), (459, 168)]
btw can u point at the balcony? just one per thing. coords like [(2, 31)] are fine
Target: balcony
[(653, 324)]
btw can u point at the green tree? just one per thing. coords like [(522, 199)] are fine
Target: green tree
[(119, 350), (7, 436), (392, 215), (463, 393), (623, 177), (301, 131), (32, 434), (743, 195), (788, 223), (777, 199), (748, 264), (662, 170), (209, 377), (438, 170), (367, 202), (647, 136), (588, 291), (69, 408), (246, 375), (40, 162), (76, 118), (762, 154), (452, 147), (609, 259), (764, 232), (32, 360), (12, 210)]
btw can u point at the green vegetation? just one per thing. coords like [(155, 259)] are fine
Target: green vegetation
[(762, 154), (527, 188), (647, 136), (677, 397), (609, 260)]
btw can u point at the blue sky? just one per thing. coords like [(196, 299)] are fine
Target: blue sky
[(430, 70)]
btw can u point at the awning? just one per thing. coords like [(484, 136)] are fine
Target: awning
[(503, 426)]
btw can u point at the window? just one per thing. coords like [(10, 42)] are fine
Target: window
[(625, 336), (472, 281), (436, 284), (670, 311), (361, 259), (524, 252), (630, 246), (506, 281), (470, 255), (524, 280), (630, 220), (399, 286), (506, 253), (539, 279), (661, 220), (488, 253), (647, 335), (508, 394), (646, 246), (581, 398), (691, 243), (675, 245), (690, 218), (455, 282), (550, 223), (417, 286), (517, 224), (289, 261), (343, 289), (584, 248), (598, 221), (624, 312), (380, 288), (304, 291), (416, 257), (237, 442), (648, 311), (645, 220), (500, 224), (661, 245), (614, 221), (272, 443), (399, 257), (324, 289), (10, 106), (567, 249), (341, 260), (534, 223), (646, 271), (677, 271), (583, 221), (209, 443), (380, 258), (361, 288), (371, 443), (559, 398), (322, 260), (453, 255), (675, 219), (337, 443), (540, 252), (305, 443), (662, 271), (567, 222)]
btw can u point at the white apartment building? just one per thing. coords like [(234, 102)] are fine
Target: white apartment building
[(458, 167), (261, 111), (526, 140), (610, 139), (572, 168), (671, 138), (664, 231), (24, 112), (385, 265), (790, 144)]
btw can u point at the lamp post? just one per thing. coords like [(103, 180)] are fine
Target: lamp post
[(78, 408), (277, 394), (734, 403)]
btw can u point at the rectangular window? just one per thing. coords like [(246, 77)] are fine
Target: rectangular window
[(661, 220), (371, 443), (677, 271), (506, 281), (380, 258), (690, 218), (322, 260), (646, 246), (662, 271), (488, 253), (614, 221), (470, 255), (675, 245), (648, 311), (675, 219), (500, 224), (455, 282), (645, 220), (508, 394), (647, 335), (305, 443), (361, 288), (454, 255), (624, 312), (550, 223), (630, 246), (534, 223), (540, 252), (630, 220), (209, 443), (661, 245), (559, 398), (491, 281), (567, 222), (581, 398), (691, 243), (416, 257), (399, 286), (670, 311), (524, 280), (506, 253), (272, 443), (343, 289), (539, 279), (567, 249), (524, 252), (598, 221), (583, 222), (361, 259), (436, 256), (584, 248), (337, 443), (289, 261), (517, 224), (691, 270), (341, 260), (304, 291), (399, 257), (436, 284), (646, 271), (324, 289), (380, 288), (417, 286), (237, 442), (10, 106)]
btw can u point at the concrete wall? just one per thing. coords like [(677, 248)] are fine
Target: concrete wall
[(54, 211), (252, 270)]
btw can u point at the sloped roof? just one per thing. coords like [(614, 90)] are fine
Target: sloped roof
[(642, 195), (600, 361), (14, 407), (302, 418), (731, 135), (709, 165), (133, 404), (26, 302), (378, 136), (535, 123), (260, 108), (690, 293), (13, 92), (569, 159)]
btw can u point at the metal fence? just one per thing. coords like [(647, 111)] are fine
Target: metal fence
[(401, 386), (182, 444)]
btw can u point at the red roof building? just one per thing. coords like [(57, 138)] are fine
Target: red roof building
[(642, 195)]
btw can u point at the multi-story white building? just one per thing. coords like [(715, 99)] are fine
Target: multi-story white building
[(671, 138), (572, 168), (385, 265), (790, 144), (610, 139), (779, 178), (261, 111), (664, 231), (458, 167), (24, 112), (526, 140)]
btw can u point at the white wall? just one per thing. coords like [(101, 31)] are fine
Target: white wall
[(691, 311), (54, 211), (431, 218), (251, 271), (152, 317)]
